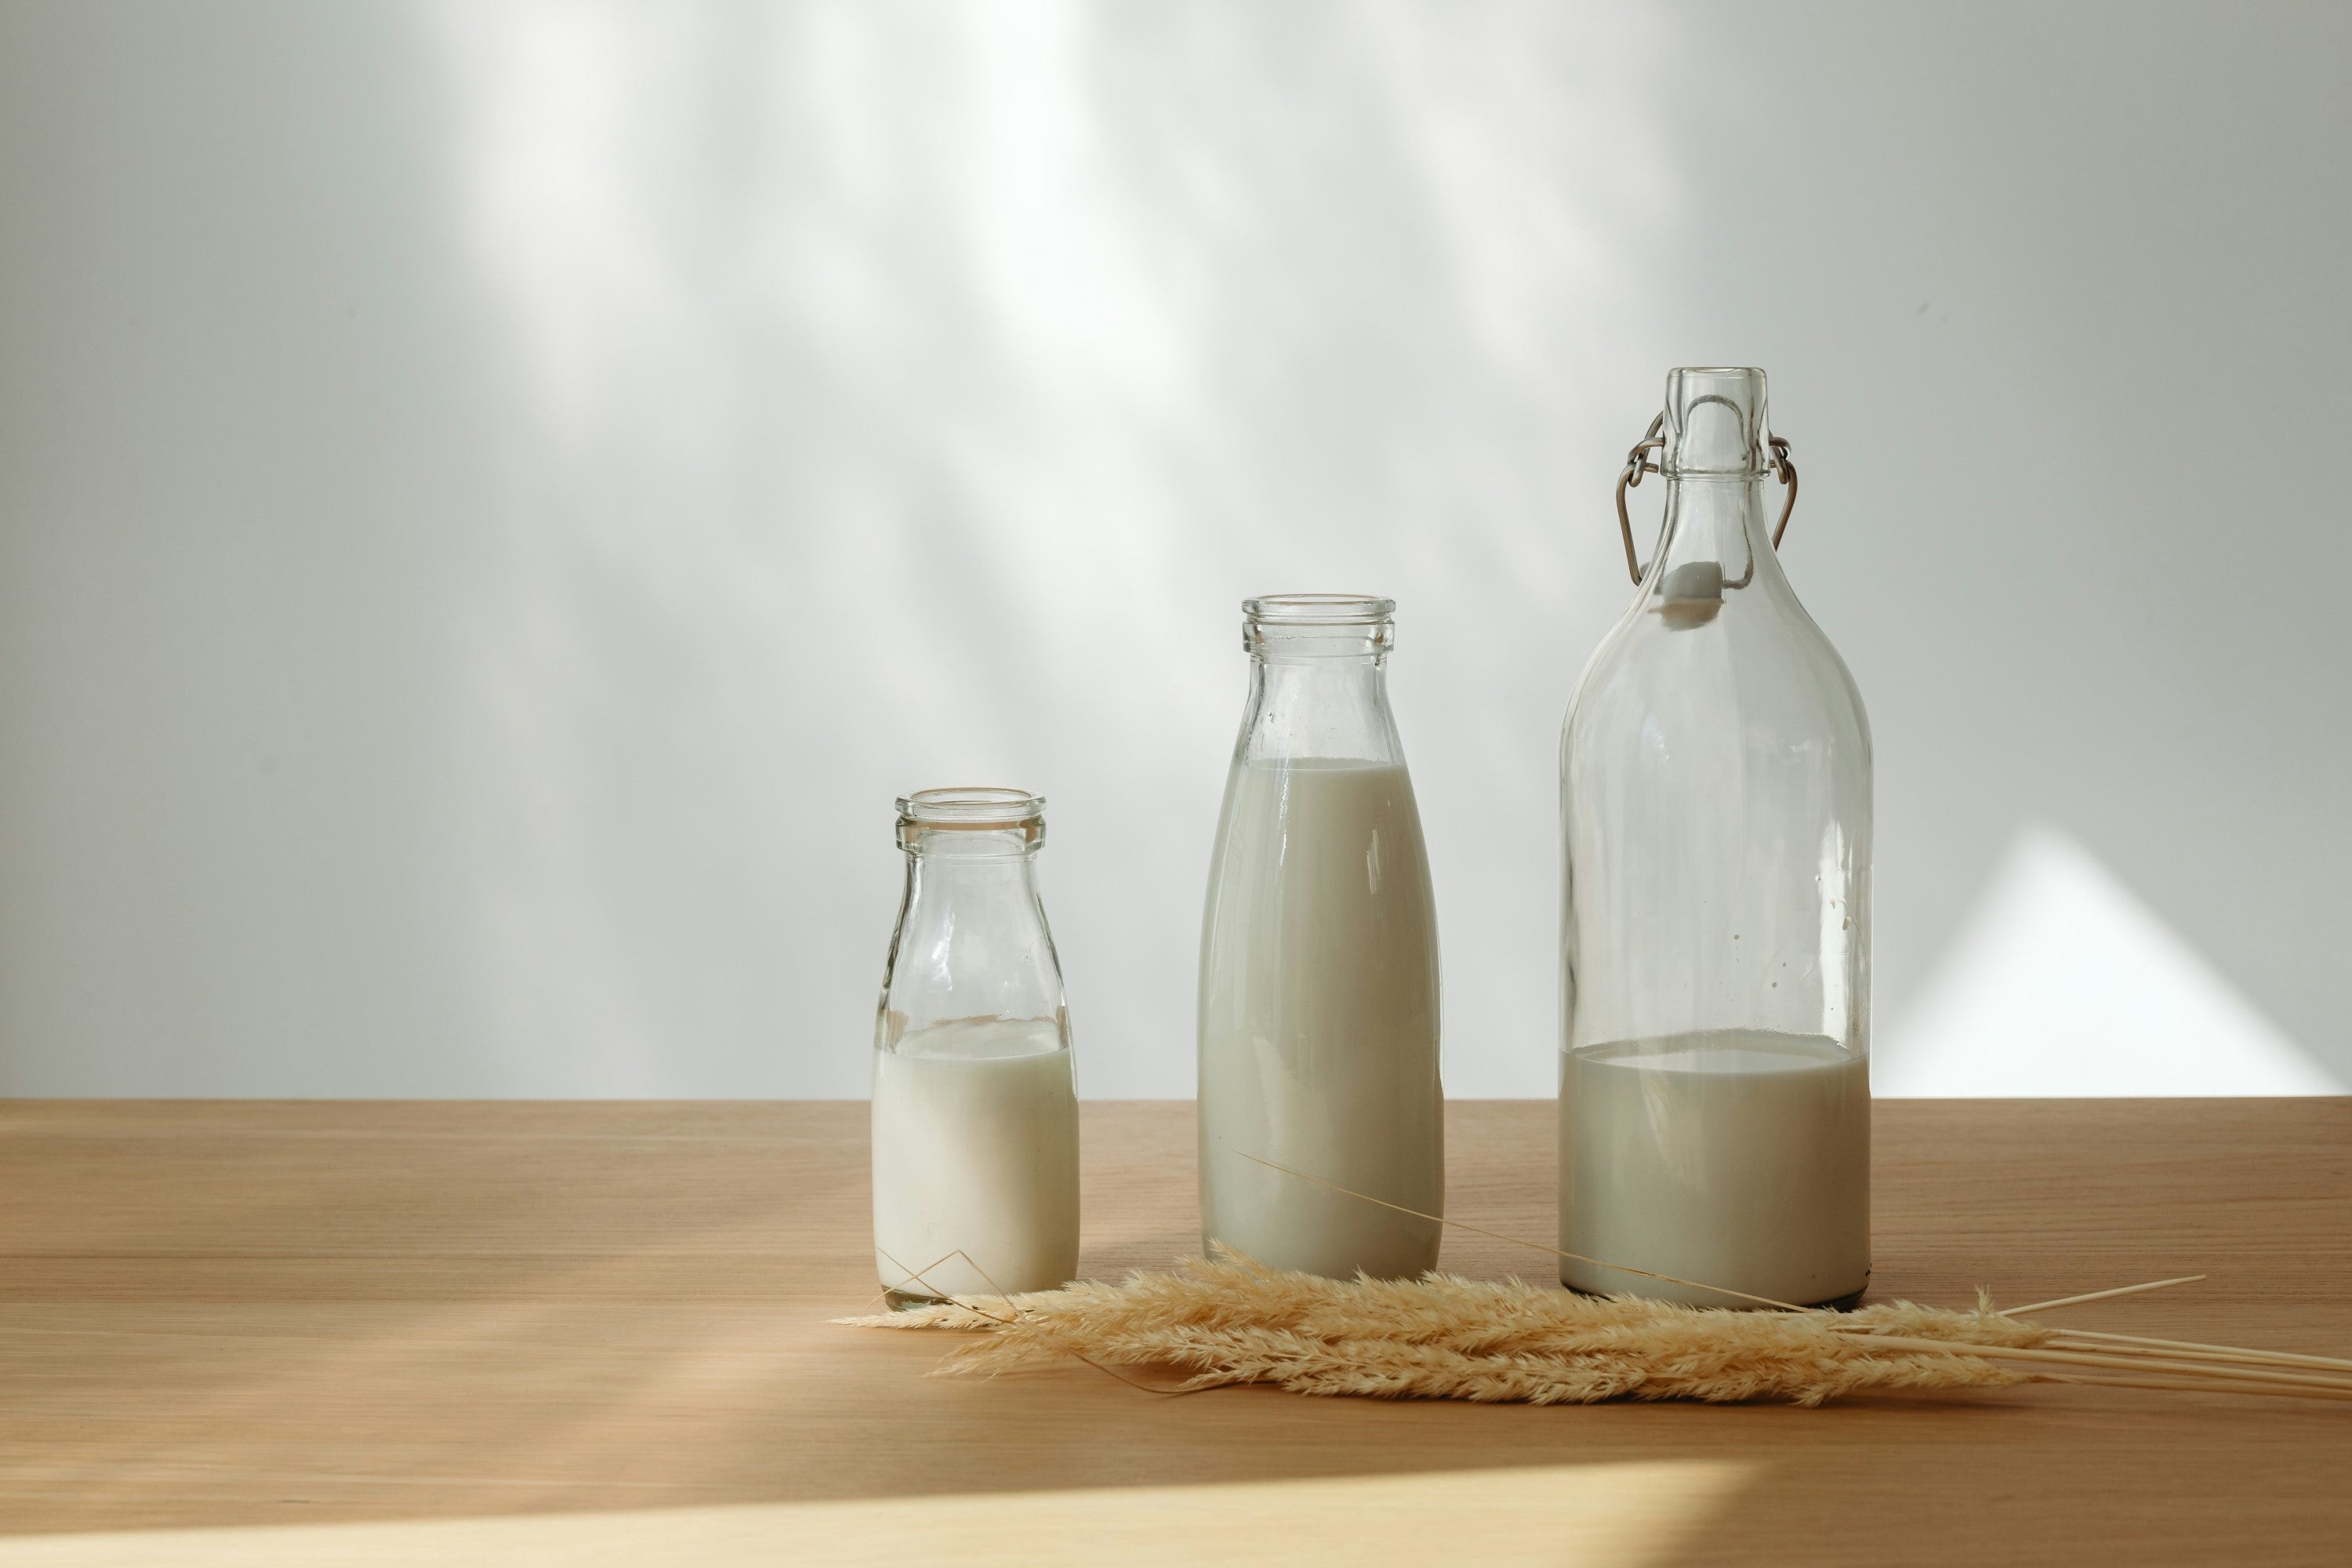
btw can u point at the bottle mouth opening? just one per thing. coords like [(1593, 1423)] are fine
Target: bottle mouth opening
[(1319, 610), (971, 808), (1714, 423)]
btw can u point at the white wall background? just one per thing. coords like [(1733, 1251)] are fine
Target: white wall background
[(496, 498)]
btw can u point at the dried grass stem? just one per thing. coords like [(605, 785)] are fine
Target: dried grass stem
[(1227, 1320)]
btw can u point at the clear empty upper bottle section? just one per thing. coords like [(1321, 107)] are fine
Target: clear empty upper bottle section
[(1714, 423)]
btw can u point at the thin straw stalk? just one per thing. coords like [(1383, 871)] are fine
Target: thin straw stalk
[(2030, 1310), (2135, 1344), (2231, 1373)]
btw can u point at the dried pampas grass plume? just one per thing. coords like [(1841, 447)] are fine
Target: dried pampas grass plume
[(1229, 1320)]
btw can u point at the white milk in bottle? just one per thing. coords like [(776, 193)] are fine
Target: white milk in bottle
[(1722, 1155), (975, 1113), (1318, 1000), (976, 1160)]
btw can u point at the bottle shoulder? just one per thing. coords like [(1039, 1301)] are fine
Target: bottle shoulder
[(1763, 670)]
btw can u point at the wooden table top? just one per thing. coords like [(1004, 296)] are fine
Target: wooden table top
[(593, 1332)]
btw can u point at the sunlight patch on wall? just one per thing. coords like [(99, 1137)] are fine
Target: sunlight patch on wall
[(2063, 983)]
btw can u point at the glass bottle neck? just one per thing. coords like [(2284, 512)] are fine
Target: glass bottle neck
[(975, 891), (987, 878), (971, 945), (1713, 520), (1325, 707)]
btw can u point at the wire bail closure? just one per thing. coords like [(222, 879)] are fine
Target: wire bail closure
[(1637, 463)]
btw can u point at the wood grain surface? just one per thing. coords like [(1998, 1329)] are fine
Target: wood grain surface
[(370, 1332)]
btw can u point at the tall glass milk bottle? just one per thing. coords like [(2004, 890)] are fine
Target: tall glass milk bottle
[(975, 1111), (1715, 974), (1319, 963)]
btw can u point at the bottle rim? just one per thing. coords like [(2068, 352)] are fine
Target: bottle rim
[(971, 808), (1319, 609), (1697, 450)]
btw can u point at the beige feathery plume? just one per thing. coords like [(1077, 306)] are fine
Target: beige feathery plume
[(1230, 1321)]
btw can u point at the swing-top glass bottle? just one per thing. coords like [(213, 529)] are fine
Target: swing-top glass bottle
[(1715, 967)]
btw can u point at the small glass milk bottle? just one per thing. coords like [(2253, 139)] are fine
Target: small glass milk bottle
[(1715, 978), (1318, 1007), (975, 1110)]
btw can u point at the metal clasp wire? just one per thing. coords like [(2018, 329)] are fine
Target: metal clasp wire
[(1637, 463)]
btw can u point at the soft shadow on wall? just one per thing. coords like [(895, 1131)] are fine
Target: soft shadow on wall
[(907, 396)]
